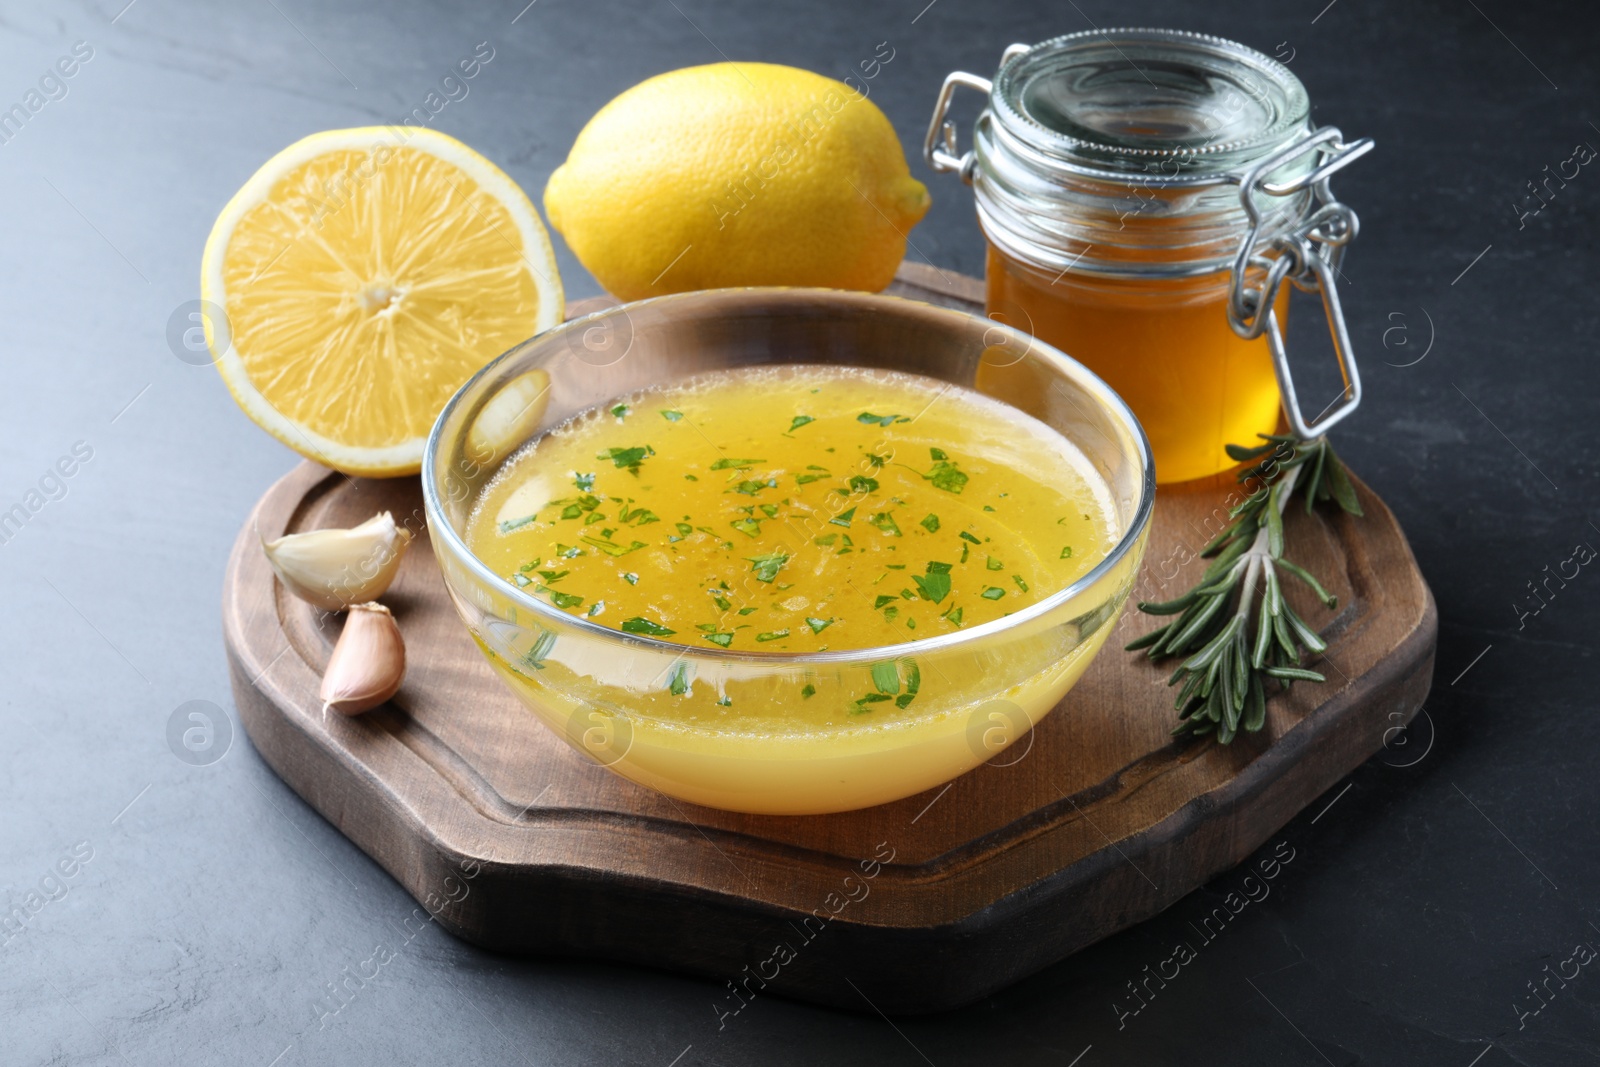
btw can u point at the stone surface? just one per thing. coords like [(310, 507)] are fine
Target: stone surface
[(215, 910)]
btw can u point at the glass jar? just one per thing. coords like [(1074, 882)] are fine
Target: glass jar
[(1144, 194)]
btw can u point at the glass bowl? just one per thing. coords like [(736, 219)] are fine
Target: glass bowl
[(793, 742)]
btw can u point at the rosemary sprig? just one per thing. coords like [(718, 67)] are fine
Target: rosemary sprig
[(1228, 659)]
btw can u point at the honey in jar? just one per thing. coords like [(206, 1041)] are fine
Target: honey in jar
[(1144, 195)]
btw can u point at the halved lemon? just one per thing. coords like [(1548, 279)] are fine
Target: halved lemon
[(365, 275)]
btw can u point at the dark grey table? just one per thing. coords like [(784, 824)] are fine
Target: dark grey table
[(1438, 899)]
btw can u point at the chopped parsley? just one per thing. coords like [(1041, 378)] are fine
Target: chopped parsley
[(766, 566), (885, 522), (677, 678), (844, 517), (1066, 553), (799, 421), (867, 418), (584, 482), (621, 411), (671, 416), (727, 463), (886, 677), (721, 639), (947, 476), (561, 600), (535, 656), (627, 458), (611, 548), (641, 625), (640, 516), (579, 506), (935, 585), (930, 523), (994, 592), (996, 565), (772, 635), (818, 625)]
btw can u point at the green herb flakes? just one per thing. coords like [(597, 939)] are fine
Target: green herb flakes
[(945, 475), (677, 678), (641, 625), (628, 458), (934, 586), (885, 522), (860, 483), (766, 567)]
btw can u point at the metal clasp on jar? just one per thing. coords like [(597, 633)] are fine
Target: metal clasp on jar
[(939, 146), (1308, 255)]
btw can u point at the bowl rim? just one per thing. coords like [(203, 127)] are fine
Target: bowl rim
[(548, 613)]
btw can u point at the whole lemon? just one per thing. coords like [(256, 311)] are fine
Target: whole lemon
[(736, 174)]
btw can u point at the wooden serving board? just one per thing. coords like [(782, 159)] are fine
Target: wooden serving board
[(1097, 821)]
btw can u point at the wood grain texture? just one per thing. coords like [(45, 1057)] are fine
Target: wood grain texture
[(1095, 822)]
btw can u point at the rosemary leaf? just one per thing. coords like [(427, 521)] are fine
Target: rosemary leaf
[(1233, 629)]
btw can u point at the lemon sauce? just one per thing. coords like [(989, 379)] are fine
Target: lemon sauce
[(798, 509)]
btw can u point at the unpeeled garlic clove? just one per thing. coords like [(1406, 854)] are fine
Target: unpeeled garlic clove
[(368, 662), (334, 569)]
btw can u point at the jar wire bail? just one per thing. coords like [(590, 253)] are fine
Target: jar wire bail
[(1308, 256)]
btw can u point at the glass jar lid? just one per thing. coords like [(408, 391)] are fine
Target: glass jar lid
[(1125, 99)]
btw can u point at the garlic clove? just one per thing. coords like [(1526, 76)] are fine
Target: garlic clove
[(334, 569), (368, 662)]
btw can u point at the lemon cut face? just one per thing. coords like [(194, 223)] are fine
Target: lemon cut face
[(366, 274)]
